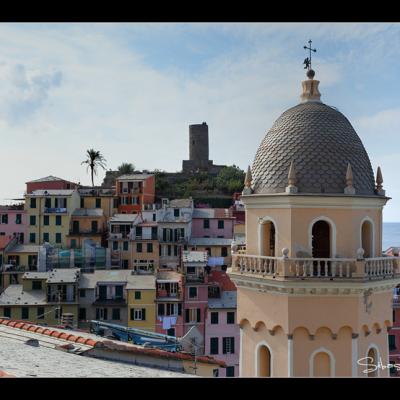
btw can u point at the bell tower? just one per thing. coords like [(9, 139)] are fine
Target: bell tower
[(314, 291)]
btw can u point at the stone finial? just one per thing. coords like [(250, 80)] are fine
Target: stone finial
[(285, 252), (349, 189), (360, 253), (310, 90), (247, 182), (292, 188), (234, 247), (379, 182)]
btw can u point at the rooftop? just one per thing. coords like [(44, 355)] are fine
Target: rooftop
[(134, 177), (49, 178), (25, 248), (53, 359), (15, 295), (5, 241), (228, 299), (222, 278), (181, 203), (90, 280), (51, 192), (212, 213), (127, 218), (194, 256), (168, 276)]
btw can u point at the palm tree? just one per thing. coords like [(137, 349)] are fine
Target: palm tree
[(126, 169), (94, 159)]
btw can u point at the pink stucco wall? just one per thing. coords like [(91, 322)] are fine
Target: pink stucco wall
[(200, 302), (221, 330), (12, 227), (198, 230)]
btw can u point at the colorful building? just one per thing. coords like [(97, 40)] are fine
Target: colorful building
[(87, 224), (195, 300), (212, 223), (49, 215), (169, 302), (42, 297), (218, 250), (99, 198), (134, 192), (174, 230), (50, 183), (119, 297), (13, 221), (222, 333)]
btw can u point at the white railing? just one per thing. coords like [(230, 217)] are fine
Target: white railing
[(302, 268), (322, 267), (257, 264), (380, 266)]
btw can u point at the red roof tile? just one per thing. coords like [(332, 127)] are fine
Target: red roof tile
[(4, 241), (222, 279)]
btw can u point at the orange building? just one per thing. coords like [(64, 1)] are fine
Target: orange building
[(135, 191)]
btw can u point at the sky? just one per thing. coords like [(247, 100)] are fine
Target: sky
[(131, 90)]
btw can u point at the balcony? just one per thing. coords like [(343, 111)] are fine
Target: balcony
[(396, 301), (115, 236), (285, 268), (86, 231), (195, 278), (163, 294), (55, 210), (111, 301)]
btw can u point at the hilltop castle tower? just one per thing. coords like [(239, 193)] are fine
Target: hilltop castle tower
[(199, 152), (314, 292)]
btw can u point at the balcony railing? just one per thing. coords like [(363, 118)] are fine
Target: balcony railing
[(315, 268), (98, 231), (55, 210)]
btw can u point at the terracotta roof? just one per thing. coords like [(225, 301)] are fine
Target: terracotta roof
[(4, 241), (112, 345), (222, 278), (49, 178)]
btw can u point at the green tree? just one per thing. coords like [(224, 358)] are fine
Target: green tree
[(230, 179), (126, 169), (94, 159)]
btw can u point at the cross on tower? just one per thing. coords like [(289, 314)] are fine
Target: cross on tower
[(307, 61)]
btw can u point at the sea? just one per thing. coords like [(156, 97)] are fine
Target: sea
[(391, 235)]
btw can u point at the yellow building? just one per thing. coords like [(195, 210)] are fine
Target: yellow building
[(86, 224), (141, 291), (49, 215), (314, 292), (98, 198), (42, 297)]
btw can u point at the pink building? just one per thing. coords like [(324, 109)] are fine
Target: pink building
[(222, 334), (50, 183), (212, 223), (394, 333), (195, 293), (13, 222), (169, 301)]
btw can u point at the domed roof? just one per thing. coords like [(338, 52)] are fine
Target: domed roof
[(321, 142)]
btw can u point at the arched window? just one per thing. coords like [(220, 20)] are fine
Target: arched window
[(367, 238), (321, 239), (267, 238), (322, 363), (372, 360), (263, 361)]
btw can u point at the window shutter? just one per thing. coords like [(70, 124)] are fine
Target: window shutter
[(232, 345), (187, 317), (224, 345), (164, 235), (132, 314), (143, 314), (97, 313), (179, 308), (105, 313), (198, 315)]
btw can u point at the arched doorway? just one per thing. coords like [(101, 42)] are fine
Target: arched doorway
[(321, 240), (321, 246), (367, 239), (268, 238), (372, 360), (322, 364), (264, 361)]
